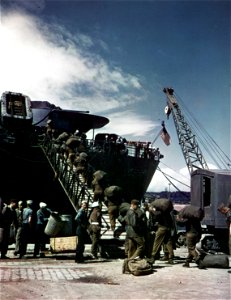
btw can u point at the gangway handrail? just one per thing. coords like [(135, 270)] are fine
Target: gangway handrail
[(70, 181), (66, 175)]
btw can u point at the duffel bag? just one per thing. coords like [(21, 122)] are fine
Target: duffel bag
[(137, 267), (191, 211), (162, 204), (215, 261)]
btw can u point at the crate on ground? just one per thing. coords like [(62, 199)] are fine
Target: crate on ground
[(63, 244)]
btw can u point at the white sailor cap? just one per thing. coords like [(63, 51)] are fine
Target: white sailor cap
[(42, 204)]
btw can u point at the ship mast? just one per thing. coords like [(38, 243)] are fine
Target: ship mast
[(189, 146)]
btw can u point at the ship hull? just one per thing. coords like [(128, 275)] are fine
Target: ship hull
[(27, 174), (132, 174)]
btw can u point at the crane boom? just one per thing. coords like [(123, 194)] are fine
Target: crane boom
[(190, 148)]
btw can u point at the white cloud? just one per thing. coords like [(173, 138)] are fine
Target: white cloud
[(128, 123), (181, 179), (47, 63)]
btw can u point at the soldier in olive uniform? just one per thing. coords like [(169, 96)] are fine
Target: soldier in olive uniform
[(95, 228), (135, 229), (18, 235), (99, 184), (163, 235), (113, 199), (226, 210), (193, 236)]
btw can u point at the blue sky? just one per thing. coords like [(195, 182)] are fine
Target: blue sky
[(115, 57)]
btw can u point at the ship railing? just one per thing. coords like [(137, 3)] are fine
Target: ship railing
[(71, 182), (132, 149)]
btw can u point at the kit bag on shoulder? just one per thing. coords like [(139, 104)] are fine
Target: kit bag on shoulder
[(136, 267), (220, 261)]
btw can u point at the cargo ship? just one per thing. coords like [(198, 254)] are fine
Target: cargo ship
[(31, 167)]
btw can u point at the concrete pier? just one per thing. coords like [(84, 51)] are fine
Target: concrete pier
[(59, 277)]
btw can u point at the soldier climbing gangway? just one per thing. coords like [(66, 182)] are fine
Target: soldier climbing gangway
[(73, 183)]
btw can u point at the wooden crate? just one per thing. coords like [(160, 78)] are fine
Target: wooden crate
[(63, 244)]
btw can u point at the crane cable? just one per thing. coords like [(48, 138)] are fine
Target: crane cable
[(209, 141), (183, 176), (166, 176)]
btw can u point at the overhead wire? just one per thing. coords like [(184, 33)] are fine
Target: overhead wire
[(167, 177), (179, 174), (208, 143)]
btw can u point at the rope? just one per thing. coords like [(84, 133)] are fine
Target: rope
[(156, 138)]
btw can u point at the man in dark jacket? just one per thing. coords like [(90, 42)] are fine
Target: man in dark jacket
[(28, 223), (43, 214), (8, 218), (135, 229), (81, 231)]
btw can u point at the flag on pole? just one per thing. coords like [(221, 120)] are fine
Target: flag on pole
[(165, 136)]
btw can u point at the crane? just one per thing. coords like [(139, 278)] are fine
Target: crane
[(190, 148), (209, 188)]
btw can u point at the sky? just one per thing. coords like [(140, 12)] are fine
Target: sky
[(114, 58)]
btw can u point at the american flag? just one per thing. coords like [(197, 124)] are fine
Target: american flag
[(165, 136)]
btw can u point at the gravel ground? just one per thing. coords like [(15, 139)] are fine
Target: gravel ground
[(59, 277)]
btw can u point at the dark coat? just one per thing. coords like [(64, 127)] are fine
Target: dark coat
[(43, 215), (136, 223), (163, 218), (81, 221), (8, 217), (95, 217), (193, 225)]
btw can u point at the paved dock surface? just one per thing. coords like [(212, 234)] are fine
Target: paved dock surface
[(59, 277)]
